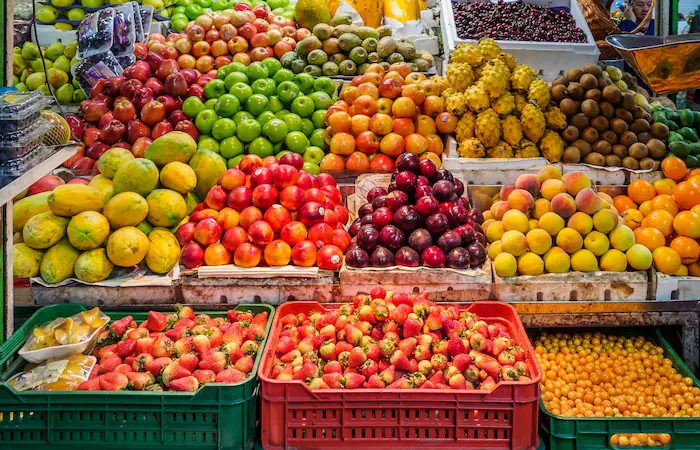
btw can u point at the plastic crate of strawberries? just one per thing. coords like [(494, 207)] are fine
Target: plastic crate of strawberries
[(398, 368)]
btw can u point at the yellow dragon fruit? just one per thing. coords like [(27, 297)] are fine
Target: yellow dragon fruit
[(477, 98), (471, 148), (460, 76), (527, 149), (489, 48), (465, 126), (501, 150), (441, 83), (533, 122), (538, 93), (494, 80), (512, 130), (521, 78), (456, 103), (520, 102), (556, 120), (508, 60), (504, 105), (488, 128), (552, 146), (467, 53)]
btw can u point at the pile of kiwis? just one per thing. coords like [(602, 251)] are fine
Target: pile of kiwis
[(606, 127)]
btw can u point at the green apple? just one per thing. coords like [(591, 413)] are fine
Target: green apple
[(305, 82), (324, 84), (296, 142), (240, 116), (293, 121), (265, 117), (203, 3), (317, 139), (232, 78), (233, 162), (311, 168), (321, 99), (287, 91), (307, 127), (274, 104), (191, 11), (264, 86), (283, 75), (248, 130), (222, 72), (273, 65), (319, 118), (256, 70), (223, 128), (227, 105), (76, 14), (179, 22), (261, 147), (192, 106), (92, 3), (208, 143), (231, 147), (303, 106), (205, 121), (275, 130), (274, 4), (211, 103), (281, 113), (215, 89), (241, 90), (313, 155), (256, 104), (238, 66)]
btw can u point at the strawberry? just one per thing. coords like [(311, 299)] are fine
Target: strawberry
[(518, 352), (492, 368), (141, 361), (307, 370), (233, 351), (500, 344), (173, 371), (422, 353), (371, 349), (202, 329), (378, 292), (457, 382), (119, 327), (95, 372), (187, 323), (318, 383), (182, 346), (230, 375), (334, 380), (390, 326), (521, 368), (462, 361), (387, 347), (340, 322), (156, 321), (424, 339), (408, 345), (387, 375), (375, 382), (125, 348), (524, 379), (508, 373), (106, 351), (353, 380), (318, 340), (260, 318), (344, 358), (204, 376), (202, 318), (277, 369), (92, 384), (428, 385), (256, 332), (113, 381), (369, 368), (425, 367), (244, 364), (472, 374), (329, 332), (505, 358), (186, 384), (251, 348), (353, 334), (439, 362), (333, 367), (450, 372), (189, 361), (109, 363), (421, 307), (129, 360), (201, 344), (487, 347), (357, 357), (455, 346), (140, 380), (216, 362), (306, 331), (442, 386), (400, 313), (434, 321), (412, 326), (412, 365), (480, 358), (245, 316), (401, 383), (123, 368), (481, 328), (163, 346), (441, 347), (157, 365), (291, 356), (285, 344), (185, 312), (215, 338), (452, 327), (488, 384), (327, 350), (144, 345), (477, 341), (400, 360), (177, 333), (381, 313), (232, 315), (437, 378), (305, 345), (402, 299), (137, 333)]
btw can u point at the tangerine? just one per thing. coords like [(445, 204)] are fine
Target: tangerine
[(692, 173), (674, 168), (664, 186), (687, 223), (664, 202), (661, 220), (645, 208), (640, 191), (666, 260), (649, 237), (688, 249), (687, 194), (623, 203)]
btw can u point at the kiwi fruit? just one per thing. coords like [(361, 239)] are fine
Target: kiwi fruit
[(609, 136), (570, 133), (603, 147), (583, 146), (613, 160), (580, 121), (593, 94), (647, 117), (568, 107), (638, 112), (623, 114), (628, 138), (628, 101), (620, 150), (643, 137), (600, 123), (575, 90), (574, 74), (619, 126), (590, 108), (640, 126), (589, 81), (560, 80), (646, 163), (558, 92), (657, 149), (578, 105), (607, 110), (571, 155), (593, 69), (638, 151), (612, 94), (656, 166), (590, 135), (630, 163), (659, 130), (595, 159)]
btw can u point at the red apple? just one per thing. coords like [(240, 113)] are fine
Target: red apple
[(92, 110), (105, 119), (247, 31), (185, 233), (161, 128), (96, 150), (188, 127), (91, 135), (141, 70), (153, 112), (142, 96), (129, 88), (136, 129), (113, 132), (44, 184), (192, 255), (84, 164), (176, 117), (124, 110), (169, 102), (138, 148)]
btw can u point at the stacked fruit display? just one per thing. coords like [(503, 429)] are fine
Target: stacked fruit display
[(381, 115), (420, 219), (683, 128), (665, 217), (553, 224), (605, 126), (597, 385), (503, 107), (345, 49), (399, 341), (268, 215), (29, 73), (176, 352), (186, 11), (262, 110)]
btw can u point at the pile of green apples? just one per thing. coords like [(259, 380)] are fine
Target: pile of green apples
[(77, 12), (265, 110), (29, 74)]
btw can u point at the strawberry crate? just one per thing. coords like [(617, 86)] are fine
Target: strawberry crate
[(218, 416), (293, 416)]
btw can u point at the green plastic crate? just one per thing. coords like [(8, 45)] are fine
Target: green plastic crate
[(560, 433), (218, 416)]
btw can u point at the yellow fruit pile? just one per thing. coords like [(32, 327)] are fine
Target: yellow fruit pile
[(640, 440), (503, 107), (554, 224)]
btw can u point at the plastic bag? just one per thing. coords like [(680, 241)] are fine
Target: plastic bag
[(146, 18), (126, 60), (138, 25), (124, 34), (95, 33), (60, 374), (91, 69)]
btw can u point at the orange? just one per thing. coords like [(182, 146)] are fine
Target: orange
[(666, 260), (661, 220), (623, 203), (688, 249), (694, 269), (687, 194), (682, 272), (674, 168), (649, 237), (696, 209), (664, 186), (640, 191), (687, 223), (664, 202), (692, 173), (645, 208)]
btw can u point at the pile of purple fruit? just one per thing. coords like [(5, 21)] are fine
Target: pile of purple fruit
[(422, 218)]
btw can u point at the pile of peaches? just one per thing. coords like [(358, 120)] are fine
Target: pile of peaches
[(381, 115)]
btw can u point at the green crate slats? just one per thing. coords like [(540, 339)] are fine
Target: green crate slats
[(594, 433), (218, 416)]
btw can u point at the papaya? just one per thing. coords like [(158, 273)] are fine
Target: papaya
[(139, 175), (71, 199), (173, 146), (179, 177), (191, 200), (145, 227), (165, 207), (112, 160), (163, 251), (686, 117), (688, 134), (93, 266), (309, 13), (104, 185), (126, 209), (25, 261), (58, 262), (27, 208), (127, 246), (87, 230), (208, 166), (44, 230)]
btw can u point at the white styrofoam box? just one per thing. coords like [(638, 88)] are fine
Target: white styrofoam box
[(550, 59), (428, 43), (676, 288)]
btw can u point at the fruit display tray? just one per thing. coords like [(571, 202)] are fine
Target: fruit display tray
[(559, 433), (217, 416), (549, 59), (293, 416)]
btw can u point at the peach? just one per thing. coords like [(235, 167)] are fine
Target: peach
[(622, 238), (632, 218), (530, 264), (260, 233), (552, 187), (247, 255), (639, 257), (435, 144), (569, 240), (556, 260), (250, 215), (499, 208), (339, 121), (228, 218), (216, 255), (584, 261), (505, 265), (533, 224), (495, 231), (521, 200), (581, 222), (542, 206), (515, 220), (433, 157), (529, 183), (563, 205), (433, 105), (233, 238), (494, 250), (359, 124), (597, 243), (514, 242), (605, 220), (342, 144), (329, 257), (606, 198), (549, 173), (277, 216), (538, 241), (304, 254), (588, 201), (277, 253), (293, 232), (613, 261), (575, 182), (232, 179), (506, 189)]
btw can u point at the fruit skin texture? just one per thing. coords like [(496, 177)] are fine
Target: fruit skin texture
[(173, 146), (87, 230), (163, 251), (166, 208), (28, 207), (57, 264), (44, 230), (208, 166), (71, 199), (179, 177), (127, 246), (93, 266), (488, 128), (126, 209), (533, 122), (552, 146), (25, 261), (139, 175), (112, 159)]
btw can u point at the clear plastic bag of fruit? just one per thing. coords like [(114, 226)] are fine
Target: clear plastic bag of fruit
[(139, 35), (95, 33), (146, 18), (59, 374), (94, 67), (124, 34)]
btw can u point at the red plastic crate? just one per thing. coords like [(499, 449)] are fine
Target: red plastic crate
[(294, 416)]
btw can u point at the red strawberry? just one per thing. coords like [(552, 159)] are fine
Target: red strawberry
[(232, 315), (284, 345), (123, 368), (95, 372), (245, 316), (353, 380), (256, 332), (481, 328), (189, 361), (157, 365), (500, 344), (400, 361), (334, 380), (413, 364), (492, 368), (401, 383), (412, 326), (366, 313), (408, 345), (521, 368), (251, 348), (357, 357), (113, 381), (230, 375), (450, 372), (333, 367), (375, 382), (508, 373), (342, 346), (428, 385), (378, 292), (327, 350), (437, 378), (518, 352), (505, 358), (317, 341), (421, 307), (204, 376), (244, 364), (129, 360), (488, 384), (163, 346), (371, 349), (185, 312), (457, 382), (233, 351), (182, 346), (441, 347), (140, 380), (177, 333), (433, 322), (201, 344), (125, 348), (369, 368), (119, 327), (93, 384), (307, 370), (260, 318), (216, 338), (172, 372), (390, 326), (353, 334), (144, 345), (387, 375), (215, 362), (439, 362), (400, 313), (472, 374), (344, 358), (477, 341), (462, 361), (202, 318), (422, 353), (480, 358), (156, 321), (487, 347), (186, 384), (318, 383), (187, 323), (387, 347), (291, 356), (141, 361), (106, 351), (330, 331), (452, 327), (306, 344), (137, 333), (110, 363), (455, 346), (425, 367)]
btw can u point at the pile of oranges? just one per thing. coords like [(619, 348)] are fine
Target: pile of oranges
[(640, 440), (665, 217), (594, 375)]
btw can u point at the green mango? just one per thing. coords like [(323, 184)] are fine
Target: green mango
[(674, 116), (686, 117), (675, 137), (688, 134)]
